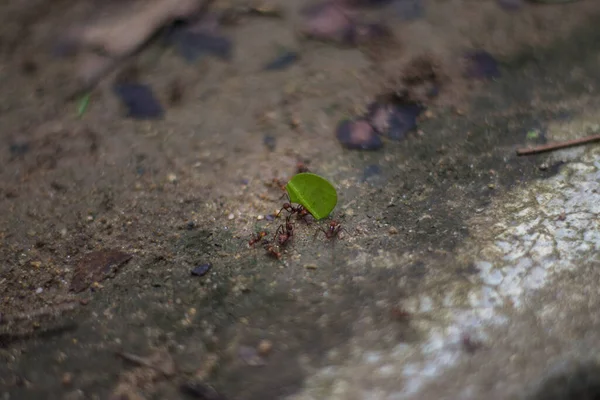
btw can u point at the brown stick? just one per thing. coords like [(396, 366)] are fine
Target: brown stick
[(557, 146)]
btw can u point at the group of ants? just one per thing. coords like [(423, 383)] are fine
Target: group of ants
[(285, 232)]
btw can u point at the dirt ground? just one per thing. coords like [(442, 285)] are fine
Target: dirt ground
[(191, 188)]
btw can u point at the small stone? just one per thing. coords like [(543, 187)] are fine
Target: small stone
[(270, 142), (39, 290), (265, 347), (491, 186), (36, 264), (543, 167), (311, 266), (393, 231), (201, 270), (260, 217), (481, 65), (358, 135), (90, 218), (67, 378), (231, 216), (250, 356), (510, 5), (172, 178)]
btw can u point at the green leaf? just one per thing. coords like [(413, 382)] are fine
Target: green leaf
[(313, 192), (83, 104)]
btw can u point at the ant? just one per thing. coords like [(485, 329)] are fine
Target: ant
[(301, 167), (283, 235), (299, 210), (333, 230), (279, 183), (271, 250), (257, 237)]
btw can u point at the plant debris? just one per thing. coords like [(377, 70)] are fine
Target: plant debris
[(160, 361), (97, 266), (557, 146)]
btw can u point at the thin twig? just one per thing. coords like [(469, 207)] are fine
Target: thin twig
[(557, 146)]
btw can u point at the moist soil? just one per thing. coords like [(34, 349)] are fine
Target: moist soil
[(167, 196)]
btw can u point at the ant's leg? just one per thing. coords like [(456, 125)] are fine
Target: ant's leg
[(320, 229), (276, 237)]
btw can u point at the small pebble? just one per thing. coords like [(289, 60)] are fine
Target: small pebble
[(270, 142), (510, 5), (481, 65), (260, 217), (283, 61), (311, 266), (393, 231), (251, 356), (67, 378), (193, 45), (358, 135), (328, 21), (19, 149), (172, 178), (409, 10), (231, 216), (265, 347), (201, 270), (394, 120), (39, 290)]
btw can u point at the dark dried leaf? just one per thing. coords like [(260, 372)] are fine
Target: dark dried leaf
[(139, 100), (193, 45), (97, 266), (200, 390)]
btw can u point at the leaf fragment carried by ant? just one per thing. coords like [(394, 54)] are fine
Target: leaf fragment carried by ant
[(313, 192)]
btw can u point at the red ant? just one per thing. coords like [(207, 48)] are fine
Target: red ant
[(271, 251), (284, 234), (299, 210), (333, 230), (257, 237), (301, 167), (277, 182)]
